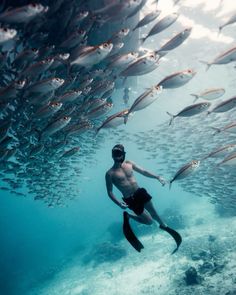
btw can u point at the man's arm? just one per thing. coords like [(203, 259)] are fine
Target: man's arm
[(109, 187), (146, 173)]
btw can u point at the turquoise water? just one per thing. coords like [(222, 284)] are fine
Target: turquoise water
[(76, 246)]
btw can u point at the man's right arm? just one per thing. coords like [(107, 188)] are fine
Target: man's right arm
[(109, 187)]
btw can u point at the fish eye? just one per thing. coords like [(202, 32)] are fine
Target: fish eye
[(5, 29), (65, 118), (105, 45), (189, 71)]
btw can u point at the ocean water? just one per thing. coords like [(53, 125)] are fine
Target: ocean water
[(70, 241)]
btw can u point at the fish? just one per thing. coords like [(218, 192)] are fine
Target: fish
[(229, 160), (221, 151), (223, 58), (231, 128), (113, 121), (24, 58), (93, 54), (209, 94), (22, 14), (6, 34), (71, 152), (174, 42), (177, 79), (191, 110), (144, 100), (45, 86), (161, 25), (147, 19), (185, 170), (122, 61), (142, 65), (48, 110), (230, 21), (224, 106)]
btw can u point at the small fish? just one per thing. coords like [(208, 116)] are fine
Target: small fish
[(209, 94), (48, 110), (144, 100), (24, 58), (177, 79), (69, 96), (119, 36), (54, 127), (70, 153), (45, 86), (123, 61), (78, 128), (99, 111), (73, 40), (224, 106), (191, 110), (161, 25), (224, 58), (186, 170), (34, 70), (147, 19)]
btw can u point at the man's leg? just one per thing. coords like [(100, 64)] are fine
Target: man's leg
[(144, 218), (150, 208)]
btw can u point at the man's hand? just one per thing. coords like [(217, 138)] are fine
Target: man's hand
[(123, 205), (162, 180)]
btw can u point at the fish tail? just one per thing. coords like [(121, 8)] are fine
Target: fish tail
[(172, 117), (205, 63), (217, 130), (170, 183), (219, 30), (195, 95), (126, 118)]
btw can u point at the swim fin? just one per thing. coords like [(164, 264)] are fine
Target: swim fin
[(129, 234), (176, 236)]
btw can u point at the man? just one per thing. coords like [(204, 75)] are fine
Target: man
[(134, 197)]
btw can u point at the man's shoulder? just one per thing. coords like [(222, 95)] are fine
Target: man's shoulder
[(109, 171)]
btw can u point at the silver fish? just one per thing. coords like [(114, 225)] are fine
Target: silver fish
[(147, 19), (73, 40), (78, 129), (229, 160), (161, 25), (69, 96), (175, 41), (24, 58), (144, 100), (93, 54), (45, 86), (224, 58), (70, 153), (177, 79), (209, 94), (230, 21), (6, 35), (54, 127), (191, 110), (224, 106), (22, 14), (142, 65), (186, 170), (123, 61), (113, 121), (48, 110), (231, 128), (99, 111), (221, 151)]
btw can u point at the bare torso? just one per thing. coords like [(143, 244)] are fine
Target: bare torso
[(123, 179)]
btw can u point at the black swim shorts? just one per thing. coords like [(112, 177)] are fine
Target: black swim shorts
[(137, 200)]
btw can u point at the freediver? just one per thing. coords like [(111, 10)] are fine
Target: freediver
[(135, 198)]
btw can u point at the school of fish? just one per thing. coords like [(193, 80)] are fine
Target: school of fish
[(57, 90)]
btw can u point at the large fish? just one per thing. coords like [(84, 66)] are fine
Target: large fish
[(147, 19), (161, 25), (177, 79), (209, 94), (191, 110), (92, 55), (224, 106), (186, 170), (144, 100), (223, 58), (142, 65)]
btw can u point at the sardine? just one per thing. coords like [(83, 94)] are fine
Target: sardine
[(147, 19), (224, 106), (209, 94), (177, 79)]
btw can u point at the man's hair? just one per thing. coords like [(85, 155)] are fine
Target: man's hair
[(119, 147)]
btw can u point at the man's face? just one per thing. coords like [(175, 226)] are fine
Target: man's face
[(118, 155)]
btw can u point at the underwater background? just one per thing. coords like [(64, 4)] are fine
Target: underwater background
[(60, 232)]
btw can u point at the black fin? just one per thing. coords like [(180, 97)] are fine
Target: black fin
[(129, 234), (176, 236)]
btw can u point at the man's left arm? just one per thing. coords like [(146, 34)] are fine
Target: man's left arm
[(147, 173)]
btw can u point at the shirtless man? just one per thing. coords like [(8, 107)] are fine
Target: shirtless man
[(134, 197)]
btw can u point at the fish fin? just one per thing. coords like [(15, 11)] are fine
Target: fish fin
[(217, 130), (142, 40), (205, 63), (196, 96), (172, 117)]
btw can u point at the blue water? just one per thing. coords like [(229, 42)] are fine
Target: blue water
[(79, 249)]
